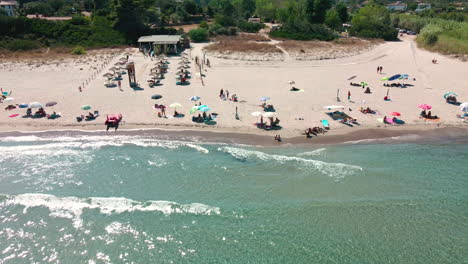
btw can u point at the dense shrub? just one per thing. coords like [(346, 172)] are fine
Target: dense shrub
[(21, 44), (198, 35), (78, 50), (303, 30), (373, 21), (245, 26)]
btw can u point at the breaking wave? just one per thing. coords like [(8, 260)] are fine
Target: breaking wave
[(93, 142), (335, 170), (72, 207)]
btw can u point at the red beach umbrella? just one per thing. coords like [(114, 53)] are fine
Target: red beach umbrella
[(425, 106), (394, 114)]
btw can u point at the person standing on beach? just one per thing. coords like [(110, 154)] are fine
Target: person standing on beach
[(227, 94), (378, 69), (221, 93), (381, 69), (349, 95), (120, 85)]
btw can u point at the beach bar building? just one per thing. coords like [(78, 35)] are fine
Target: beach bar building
[(169, 44)]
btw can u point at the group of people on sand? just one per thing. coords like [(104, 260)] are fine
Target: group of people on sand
[(313, 131), (90, 116), (402, 85), (273, 122), (366, 110), (162, 110), (202, 118), (225, 96), (428, 115), (394, 120)]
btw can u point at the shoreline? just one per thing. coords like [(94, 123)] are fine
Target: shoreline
[(408, 134)]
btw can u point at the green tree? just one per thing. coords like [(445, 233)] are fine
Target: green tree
[(342, 11), (373, 21), (412, 6), (130, 19), (332, 19), (39, 8), (190, 7), (198, 35), (265, 9), (316, 10)]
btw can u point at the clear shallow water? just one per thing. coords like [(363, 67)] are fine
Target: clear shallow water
[(130, 199)]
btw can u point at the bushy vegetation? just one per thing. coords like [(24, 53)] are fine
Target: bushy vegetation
[(444, 33), (373, 21), (198, 35), (78, 50)]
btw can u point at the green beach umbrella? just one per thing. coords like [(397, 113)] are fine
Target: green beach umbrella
[(85, 107), (449, 94), (384, 79), (193, 110)]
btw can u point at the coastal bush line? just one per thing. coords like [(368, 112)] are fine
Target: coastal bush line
[(436, 33)]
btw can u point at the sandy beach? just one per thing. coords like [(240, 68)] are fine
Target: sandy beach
[(319, 80)]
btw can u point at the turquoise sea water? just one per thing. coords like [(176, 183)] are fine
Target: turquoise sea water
[(136, 199)]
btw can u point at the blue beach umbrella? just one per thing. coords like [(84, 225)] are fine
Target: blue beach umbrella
[(23, 106), (449, 94), (264, 98), (195, 98), (201, 106), (205, 109), (394, 77)]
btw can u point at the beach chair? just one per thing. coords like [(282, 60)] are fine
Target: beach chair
[(325, 124)]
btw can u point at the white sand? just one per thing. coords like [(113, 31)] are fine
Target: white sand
[(249, 80)]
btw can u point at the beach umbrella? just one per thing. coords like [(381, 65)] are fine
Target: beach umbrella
[(268, 114), (85, 107), (175, 105), (425, 106), (5, 93), (204, 109), (156, 96), (364, 84), (384, 79), (201, 106), (193, 109), (13, 115), (264, 98), (449, 94), (403, 76), (464, 107), (108, 75), (394, 77), (257, 114), (195, 98), (9, 99), (352, 77), (23, 106), (35, 105), (394, 114), (50, 104), (331, 107)]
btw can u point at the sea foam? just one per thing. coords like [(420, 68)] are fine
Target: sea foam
[(97, 142), (334, 170), (72, 207)]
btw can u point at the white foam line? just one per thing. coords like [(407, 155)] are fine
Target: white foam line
[(72, 207), (335, 170), (317, 152)]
